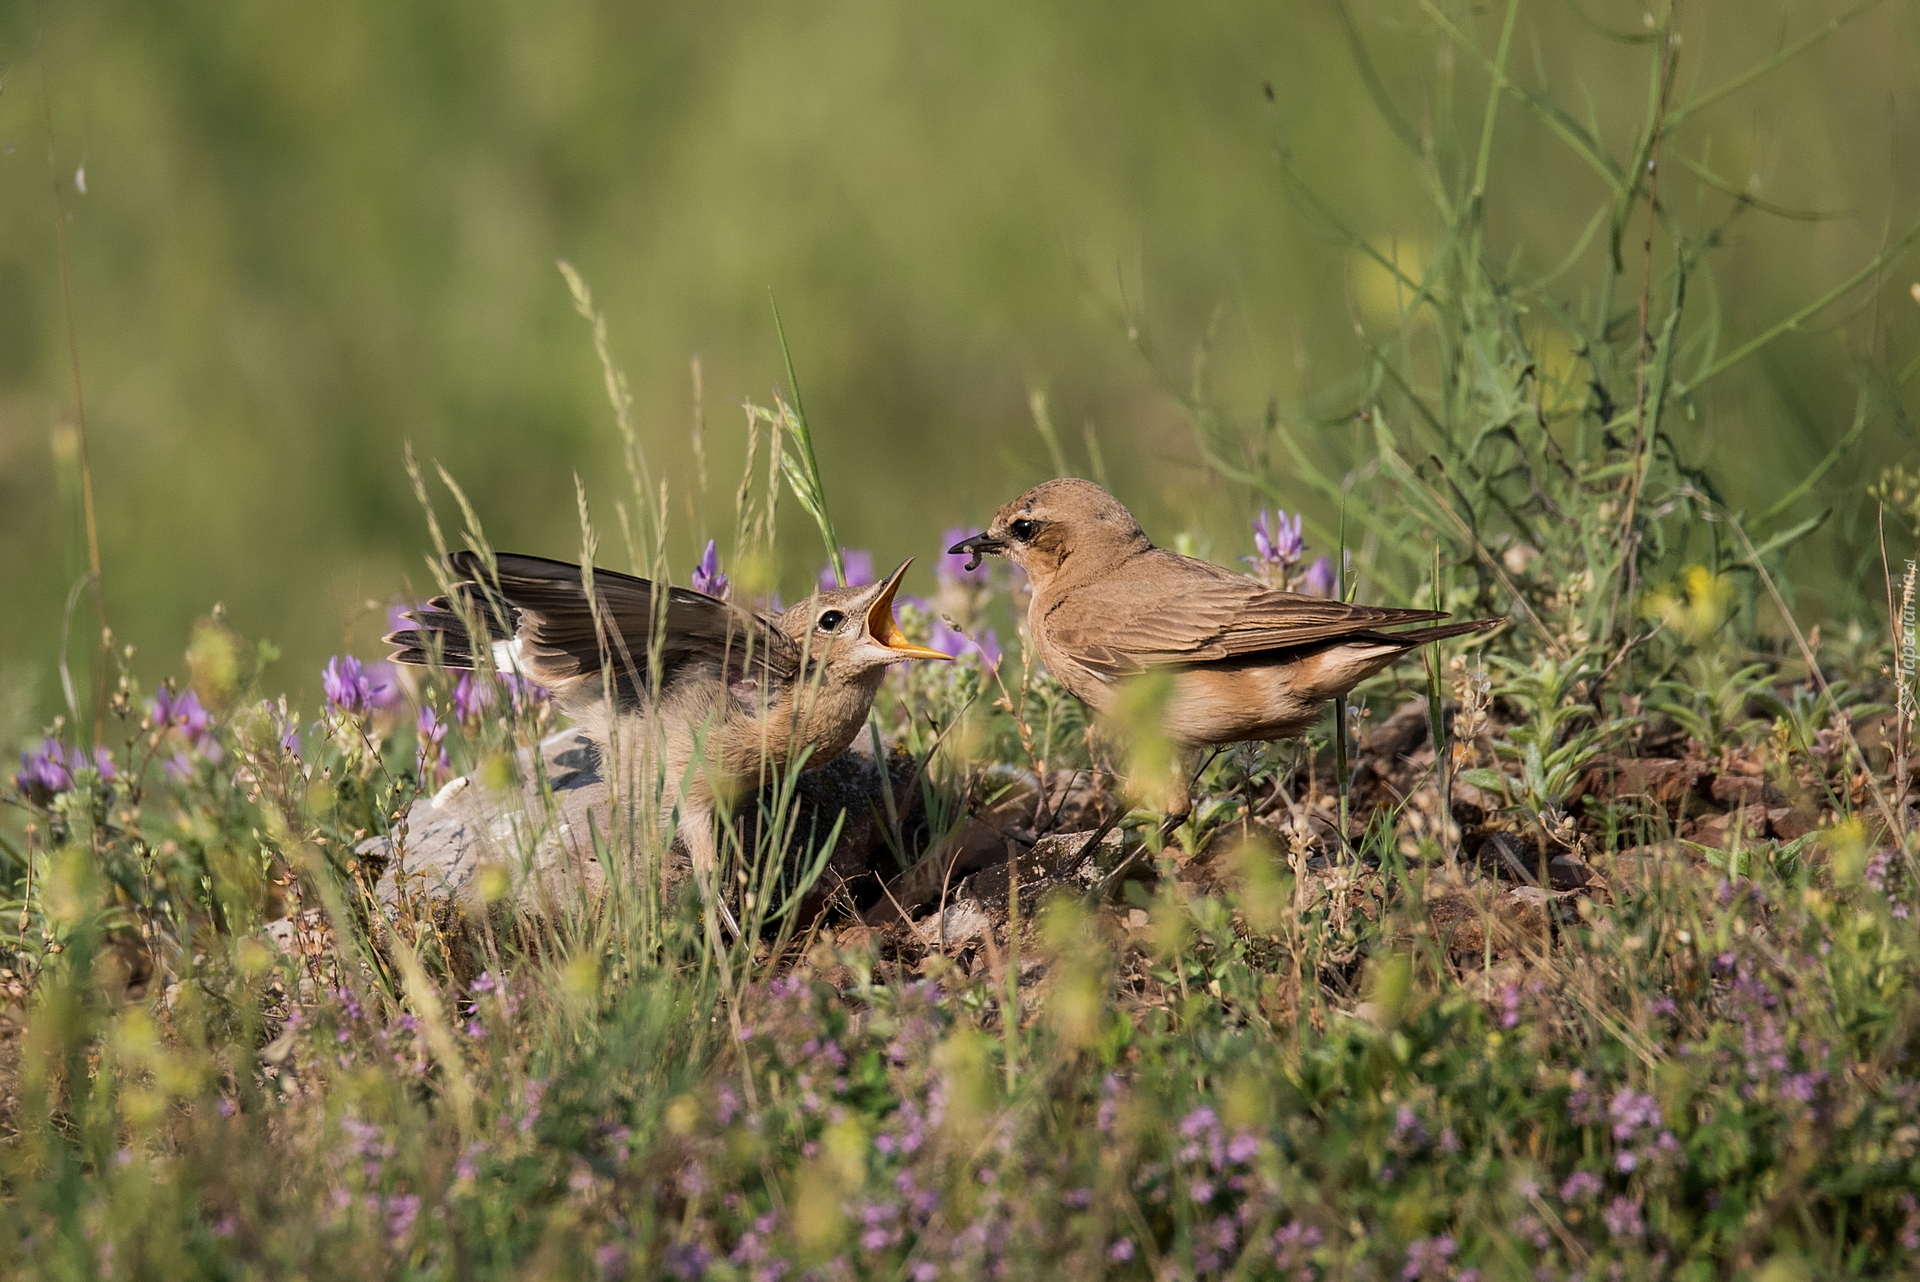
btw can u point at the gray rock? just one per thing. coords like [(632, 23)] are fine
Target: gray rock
[(543, 855), (470, 847)]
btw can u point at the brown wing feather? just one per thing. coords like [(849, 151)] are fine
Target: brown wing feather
[(1163, 609), (543, 604)]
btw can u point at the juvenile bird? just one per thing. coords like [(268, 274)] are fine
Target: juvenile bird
[(1246, 662), (737, 696)]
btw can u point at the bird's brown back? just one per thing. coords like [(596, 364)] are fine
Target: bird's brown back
[(1157, 608)]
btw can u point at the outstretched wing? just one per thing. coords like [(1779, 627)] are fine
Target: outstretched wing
[(542, 607), (1168, 610)]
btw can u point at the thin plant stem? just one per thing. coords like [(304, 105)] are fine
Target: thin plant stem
[(94, 575)]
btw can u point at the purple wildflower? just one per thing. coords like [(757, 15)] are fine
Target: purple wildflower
[(1198, 1122), (401, 1213), (1121, 1251), (958, 644), (1293, 1248), (858, 563), (687, 1260), (951, 567), (1622, 1217), (1319, 580), (1277, 543), (1630, 1111), (49, 770), (1580, 1186), (471, 697), (43, 772), (1427, 1258), (179, 712), (708, 577), (353, 687), (432, 734)]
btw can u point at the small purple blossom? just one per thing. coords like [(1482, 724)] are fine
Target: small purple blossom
[(49, 770), (1510, 1006), (183, 712), (1319, 580), (708, 577), (858, 563), (1631, 1110), (471, 697), (1622, 1217), (1580, 1186), (401, 1213), (687, 1260), (1277, 541), (432, 733), (1427, 1258), (1121, 1251), (353, 687), (953, 641)]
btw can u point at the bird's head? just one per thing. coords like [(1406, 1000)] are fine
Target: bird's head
[(851, 631), (1063, 527)]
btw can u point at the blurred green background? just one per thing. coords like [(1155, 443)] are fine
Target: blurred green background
[(311, 233)]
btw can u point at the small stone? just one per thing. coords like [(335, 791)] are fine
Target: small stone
[(1569, 872), (1789, 824), (1738, 790), (964, 922)]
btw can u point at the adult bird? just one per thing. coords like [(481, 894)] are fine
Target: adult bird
[(690, 698), (1242, 660)]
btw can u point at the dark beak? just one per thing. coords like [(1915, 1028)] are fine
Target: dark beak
[(979, 545)]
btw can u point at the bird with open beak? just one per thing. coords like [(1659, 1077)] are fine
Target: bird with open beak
[(685, 692), (1243, 661)]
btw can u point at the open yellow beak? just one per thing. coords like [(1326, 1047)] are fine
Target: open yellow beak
[(882, 628)]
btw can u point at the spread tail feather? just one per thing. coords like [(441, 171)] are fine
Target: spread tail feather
[(441, 632), (1439, 632)]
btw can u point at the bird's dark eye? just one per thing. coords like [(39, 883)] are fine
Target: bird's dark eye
[(1022, 529), (831, 621)]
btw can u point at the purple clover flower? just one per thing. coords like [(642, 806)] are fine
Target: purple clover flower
[(49, 770), (1319, 580), (951, 567), (1622, 1217), (472, 696), (708, 577), (1293, 1248), (958, 644), (687, 1260), (1580, 1186), (1277, 542), (1630, 1111), (179, 712), (432, 733), (1427, 1258), (43, 772), (401, 1213), (858, 563), (352, 687)]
